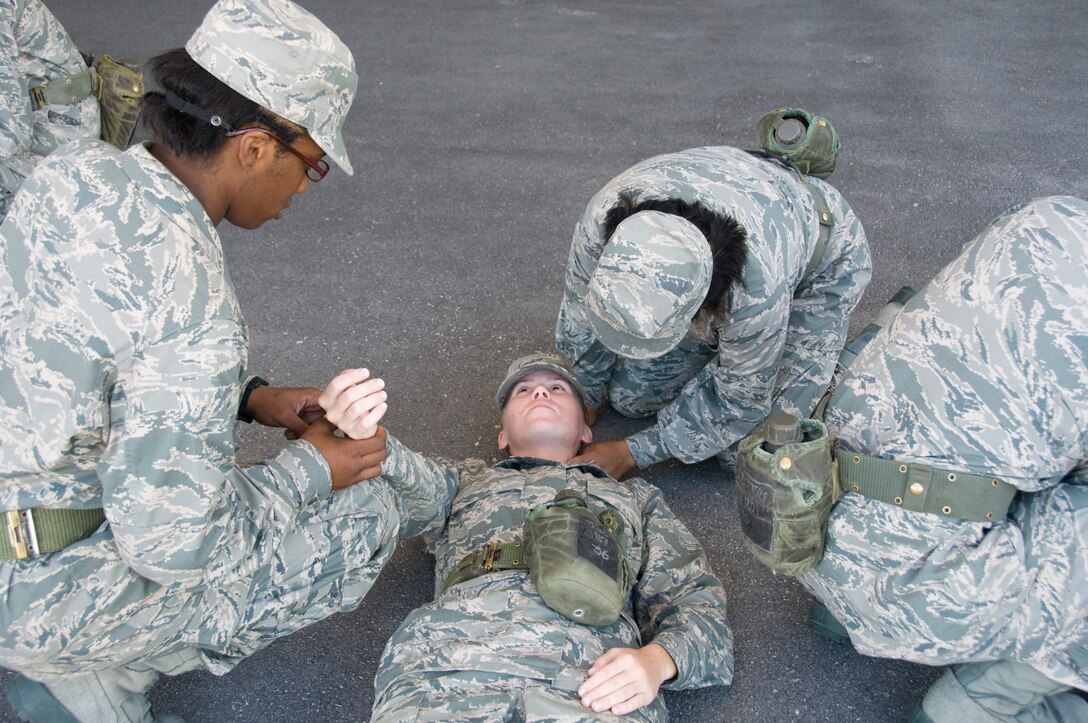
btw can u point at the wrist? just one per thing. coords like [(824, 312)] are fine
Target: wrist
[(243, 403)]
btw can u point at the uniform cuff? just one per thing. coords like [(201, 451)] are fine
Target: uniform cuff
[(304, 469), (647, 448)]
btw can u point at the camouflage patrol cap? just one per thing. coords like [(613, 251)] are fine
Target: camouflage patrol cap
[(651, 280), (537, 362), (280, 56)]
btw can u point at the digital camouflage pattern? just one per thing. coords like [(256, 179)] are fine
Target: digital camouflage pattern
[(490, 649), (283, 58), (986, 371), (776, 349), (650, 280), (35, 49), (122, 356)]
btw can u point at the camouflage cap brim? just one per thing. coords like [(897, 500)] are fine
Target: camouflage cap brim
[(650, 281), (539, 362)]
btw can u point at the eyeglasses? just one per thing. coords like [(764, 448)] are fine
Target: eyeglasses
[(314, 171)]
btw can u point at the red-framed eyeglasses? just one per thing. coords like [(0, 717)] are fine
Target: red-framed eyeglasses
[(314, 171)]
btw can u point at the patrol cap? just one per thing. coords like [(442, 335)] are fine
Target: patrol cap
[(280, 56), (651, 280), (537, 362)]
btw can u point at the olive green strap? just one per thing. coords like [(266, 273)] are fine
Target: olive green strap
[(65, 90), (921, 488), (823, 213), (491, 557), (42, 530)]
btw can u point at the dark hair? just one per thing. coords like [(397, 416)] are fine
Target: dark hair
[(727, 238), (187, 135)]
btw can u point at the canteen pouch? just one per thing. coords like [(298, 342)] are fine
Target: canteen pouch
[(576, 561), (118, 86), (785, 497), (814, 153)]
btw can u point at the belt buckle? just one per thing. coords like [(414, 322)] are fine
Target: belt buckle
[(489, 561), (37, 97), (22, 534)]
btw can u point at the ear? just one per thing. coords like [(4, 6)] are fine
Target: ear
[(587, 434), (254, 149), (503, 442)]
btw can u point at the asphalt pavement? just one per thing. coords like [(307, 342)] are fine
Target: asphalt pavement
[(480, 130)]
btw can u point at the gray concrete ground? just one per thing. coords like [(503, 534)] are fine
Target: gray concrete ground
[(481, 129)]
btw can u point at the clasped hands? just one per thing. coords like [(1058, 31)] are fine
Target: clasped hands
[(352, 402)]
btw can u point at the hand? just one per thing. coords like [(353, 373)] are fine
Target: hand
[(354, 402), (350, 461), (294, 408), (626, 679), (614, 457)]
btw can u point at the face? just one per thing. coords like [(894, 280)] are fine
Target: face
[(543, 411), (272, 177)]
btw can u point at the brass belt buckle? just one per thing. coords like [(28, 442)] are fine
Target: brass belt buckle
[(21, 533), (489, 562), (37, 97)]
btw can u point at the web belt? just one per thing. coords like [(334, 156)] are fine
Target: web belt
[(66, 90), (492, 557), (921, 488), (29, 533)]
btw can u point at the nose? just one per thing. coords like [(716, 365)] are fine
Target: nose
[(540, 391)]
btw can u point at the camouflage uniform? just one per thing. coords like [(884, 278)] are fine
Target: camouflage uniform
[(36, 50), (985, 371), (124, 351), (490, 649), (778, 345)]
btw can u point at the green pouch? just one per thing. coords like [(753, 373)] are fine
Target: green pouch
[(118, 86), (785, 497), (808, 141), (576, 561)]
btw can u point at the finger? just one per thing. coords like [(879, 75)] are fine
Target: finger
[(365, 405), (344, 380), (375, 416), (608, 656), (633, 703), (373, 459), (295, 424), (370, 472), (356, 401)]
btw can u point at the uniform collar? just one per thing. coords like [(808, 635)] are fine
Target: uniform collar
[(522, 464)]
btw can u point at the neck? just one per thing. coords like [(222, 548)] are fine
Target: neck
[(199, 175), (559, 453)]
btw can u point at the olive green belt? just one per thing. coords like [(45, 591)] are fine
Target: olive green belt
[(921, 488), (492, 557), (29, 533), (66, 90)]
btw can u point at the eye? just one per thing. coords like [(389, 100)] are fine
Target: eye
[(521, 390), (558, 388)]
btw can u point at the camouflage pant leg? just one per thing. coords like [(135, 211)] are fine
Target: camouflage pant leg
[(939, 591), (325, 565), (1001, 691), (641, 387), (488, 697), (820, 315)]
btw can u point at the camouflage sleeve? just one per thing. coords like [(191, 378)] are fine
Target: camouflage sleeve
[(181, 512), (424, 487), (732, 394), (591, 362), (679, 603), (16, 116)]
